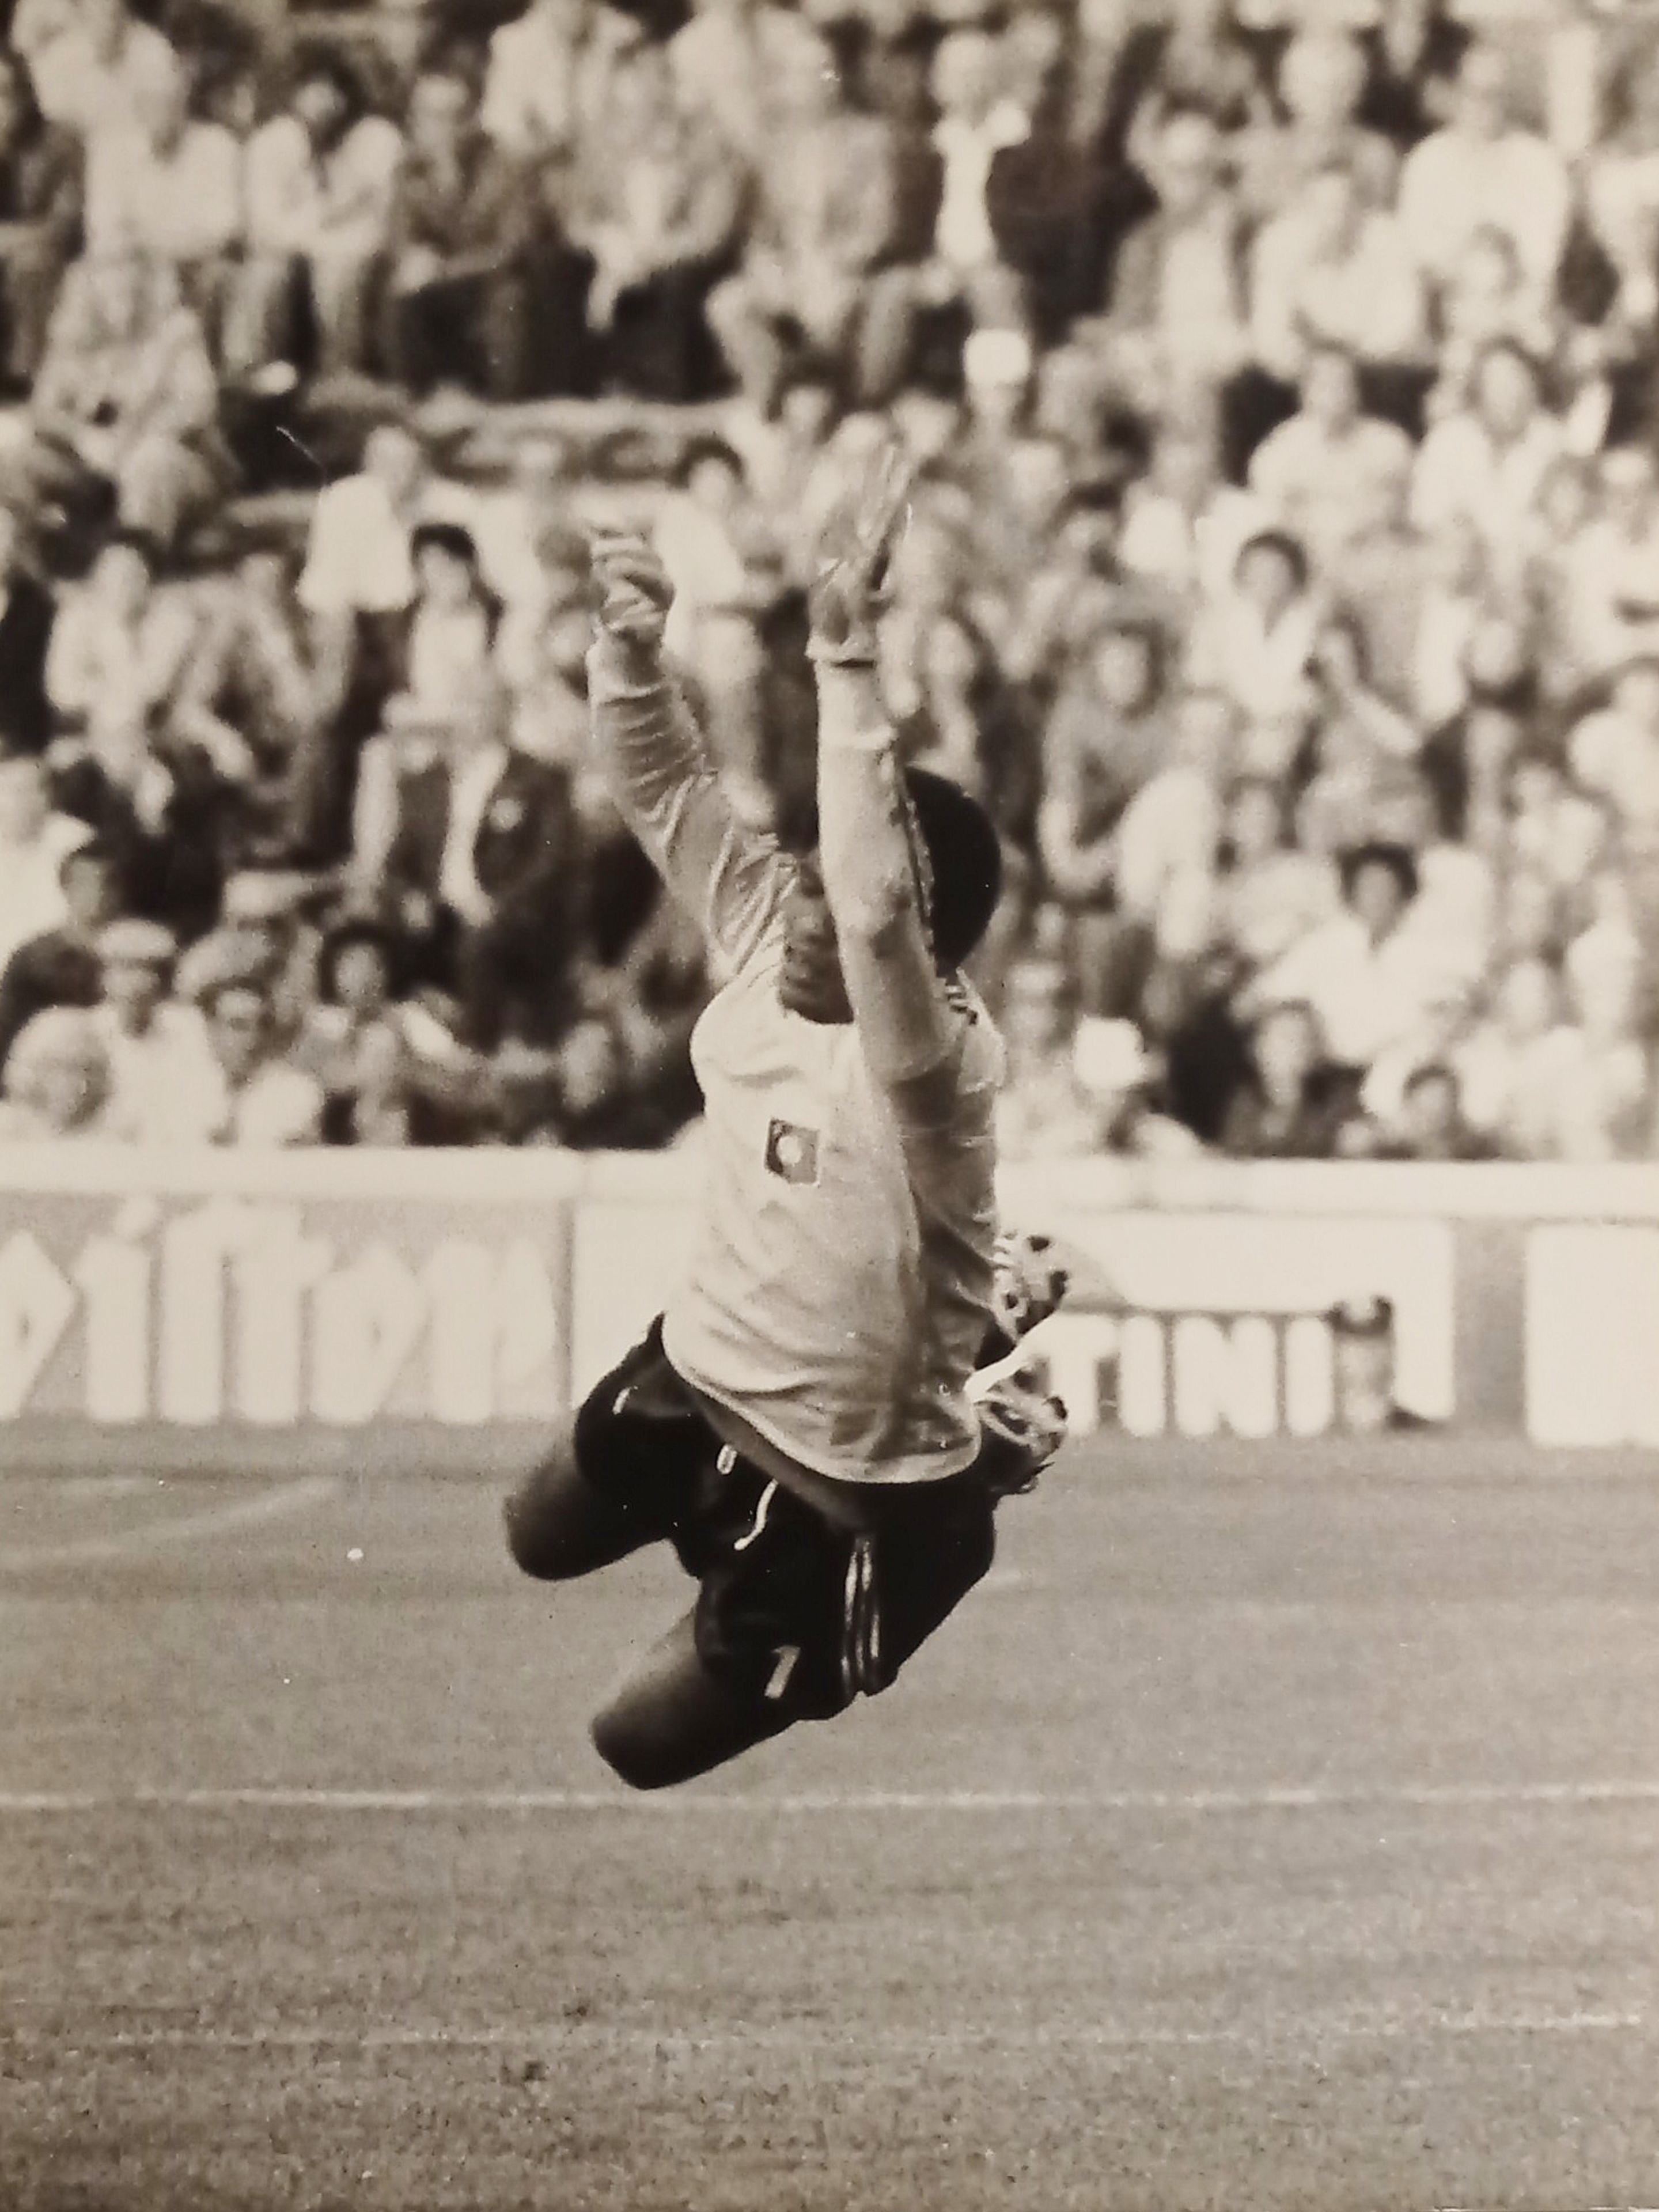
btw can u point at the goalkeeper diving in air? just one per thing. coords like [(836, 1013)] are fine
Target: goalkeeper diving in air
[(823, 1420)]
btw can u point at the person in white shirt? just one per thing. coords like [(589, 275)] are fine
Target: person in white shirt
[(1184, 525), (547, 87), (1511, 1064), (163, 1080), (1256, 646), (1604, 1093), (1480, 169), (120, 654), (321, 183), (1379, 983), (1334, 269), (1613, 577), (729, 62), (1322, 474), (258, 1102), (1614, 754), (168, 187), (1489, 464), (34, 842), (88, 62), (358, 580), (1170, 832), (801, 1421), (978, 120)]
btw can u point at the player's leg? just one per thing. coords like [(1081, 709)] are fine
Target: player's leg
[(672, 1719), (616, 1476), (560, 1523)]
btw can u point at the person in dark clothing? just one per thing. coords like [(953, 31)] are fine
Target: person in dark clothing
[(41, 192), (1289, 1106), (62, 968), (460, 250), (27, 613)]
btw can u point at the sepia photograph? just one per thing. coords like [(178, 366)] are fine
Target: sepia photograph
[(829, 1105)]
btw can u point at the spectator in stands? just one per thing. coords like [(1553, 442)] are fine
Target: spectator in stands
[(1487, 465), (61, 967), (1270, 893), (548, 89), (1432, 1124), (1556, 833), (1287, 1108), (1178, 330), (250, 674), (1043, 1112), (1621, 194), (168, 187), (321, 182), (1334, 269), (731, 62), (1364, 748), (658, 229), (718, 551), (355, 1040), (1613, 580), (1184, 527), (91, 63), (460, 257), (55, 1080), (125, 409), (1614, 754), (40, 201), (1256, 648), (257, 1101), (1108, 735), (1510, 1062), (27, 612), (1321, 84), (1322, 474), (470, 845), (1376, 983), (34, 842), (1412, 49), (1382, 579), (816, 274), (1168, 845), (978, 121), (451, 635), (356, 589), (1125, 1081), (161, 1071), (1480, 169), (1484, 302), (1068, 597), (1604, 1099), (120, 655)]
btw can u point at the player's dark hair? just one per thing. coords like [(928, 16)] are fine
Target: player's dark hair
[(958, 858), (963, 855)]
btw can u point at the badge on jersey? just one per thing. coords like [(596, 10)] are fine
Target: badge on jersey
[(792, 1153)]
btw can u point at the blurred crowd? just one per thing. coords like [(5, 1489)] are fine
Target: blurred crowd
[(1283, 570)]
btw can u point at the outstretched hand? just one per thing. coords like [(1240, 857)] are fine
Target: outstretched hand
[(634, 590), (854, 553)]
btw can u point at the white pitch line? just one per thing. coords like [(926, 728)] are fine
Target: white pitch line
[(800, 2037), (243, 1512), (792, 1804)]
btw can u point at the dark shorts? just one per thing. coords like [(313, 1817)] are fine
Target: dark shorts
[(792, 1608)]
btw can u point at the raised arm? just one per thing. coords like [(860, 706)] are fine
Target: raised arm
[(729, 877), (870, 855)]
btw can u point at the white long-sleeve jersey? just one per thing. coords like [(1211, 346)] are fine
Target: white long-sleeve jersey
[(841, 1283)]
